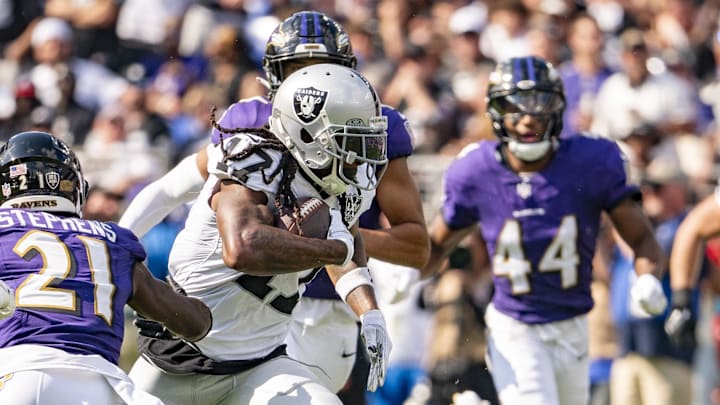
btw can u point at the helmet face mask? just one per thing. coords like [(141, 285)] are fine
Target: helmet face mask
[(302, 37), (522, 87), (328, 116), (40, 172)]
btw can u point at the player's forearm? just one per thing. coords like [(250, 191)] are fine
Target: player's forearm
[(405, 244), (699, 225), (362, 299), (684, 261), (195, 322), (354, 286), (649, 258), (265, 250)]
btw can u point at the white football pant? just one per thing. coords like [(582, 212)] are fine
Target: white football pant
[(323, 334), (280, 381), (543, 364)]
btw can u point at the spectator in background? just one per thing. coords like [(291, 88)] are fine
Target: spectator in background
[(651, 371), (96, 87), (146, 30), (93, 23), (72, 121), (583, 74), (227, 63), (505, 35), (634, 97), (17, 19), (423, 97), (117, 159), (25, 102)]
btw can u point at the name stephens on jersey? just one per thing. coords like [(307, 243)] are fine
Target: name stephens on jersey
[(14, 217)]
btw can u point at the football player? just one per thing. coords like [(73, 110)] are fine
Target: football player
[(700, 225), (303, 39), (327, 139), (67, 281), (538, 202)]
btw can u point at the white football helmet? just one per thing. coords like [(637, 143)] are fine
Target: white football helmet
[(328, 116)]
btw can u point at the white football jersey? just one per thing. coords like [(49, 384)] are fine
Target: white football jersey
[(251, 314)]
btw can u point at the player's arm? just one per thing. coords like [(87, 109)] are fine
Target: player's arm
[(406, 241), (254, 246), (354, 285), (647, 297), (635, 229), (184, 316), (701, 224), (178, 186), (443, 240)]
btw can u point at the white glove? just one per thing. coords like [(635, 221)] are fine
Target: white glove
[(377, 343), (468, 397), (647, 297), (338, 231), (7, 300)]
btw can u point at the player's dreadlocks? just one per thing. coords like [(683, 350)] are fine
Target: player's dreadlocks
[(285, 199)]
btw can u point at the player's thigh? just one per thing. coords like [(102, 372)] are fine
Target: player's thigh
[(667, 381), (573, 382), (56, 387), (625, 380), (280, 381), (520, 362), (571, 360), (327, 344), (180, 389)]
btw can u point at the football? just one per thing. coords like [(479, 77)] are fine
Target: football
[(314, 219)]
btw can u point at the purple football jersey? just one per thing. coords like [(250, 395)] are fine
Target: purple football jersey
[(255, 112), (72, 279), (540, 228)]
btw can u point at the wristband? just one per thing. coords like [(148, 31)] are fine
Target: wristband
[(681, 298), (352, 280)]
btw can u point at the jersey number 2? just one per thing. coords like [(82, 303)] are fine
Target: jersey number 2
[(39, 291), (560, 256)]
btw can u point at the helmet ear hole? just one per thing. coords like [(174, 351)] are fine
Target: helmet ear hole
[(305, 136)]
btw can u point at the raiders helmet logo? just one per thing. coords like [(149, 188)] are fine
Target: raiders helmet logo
[(350, 204), (308, 103), (52, 179)]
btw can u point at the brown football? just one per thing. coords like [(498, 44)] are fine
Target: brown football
[(314, 219)]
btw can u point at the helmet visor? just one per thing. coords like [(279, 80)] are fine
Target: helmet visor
[(533, 102)]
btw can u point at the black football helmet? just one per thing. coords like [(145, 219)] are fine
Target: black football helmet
[(526, 86), (305, 35), (39, 171)]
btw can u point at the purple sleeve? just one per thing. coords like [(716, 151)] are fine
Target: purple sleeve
[(461, 188), (612, 173), (128, 241), (399, 135), (250, 113)]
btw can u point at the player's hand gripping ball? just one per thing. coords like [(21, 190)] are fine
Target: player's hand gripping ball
[(313, 218)]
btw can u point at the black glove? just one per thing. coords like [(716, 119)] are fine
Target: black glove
[(152, 329), (680, 324)]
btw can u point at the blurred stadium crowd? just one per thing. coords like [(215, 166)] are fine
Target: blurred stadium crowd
[(131, 83)]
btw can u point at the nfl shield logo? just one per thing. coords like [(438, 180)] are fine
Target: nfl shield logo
[(6, 190), (308, 103), (524, 190), (52, 179)]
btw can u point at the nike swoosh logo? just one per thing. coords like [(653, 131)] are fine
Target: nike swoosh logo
[(346, 355)]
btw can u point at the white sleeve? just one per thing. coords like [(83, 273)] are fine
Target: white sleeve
[(159, 198)]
